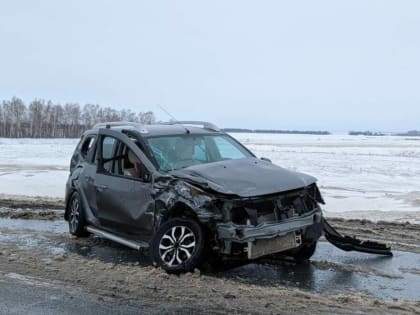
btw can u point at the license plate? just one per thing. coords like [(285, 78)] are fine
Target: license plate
[(278, 244)]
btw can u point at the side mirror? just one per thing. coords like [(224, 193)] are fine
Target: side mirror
[(147, 177), (266, 159)]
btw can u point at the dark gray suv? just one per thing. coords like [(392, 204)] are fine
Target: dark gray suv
[(189, 193)]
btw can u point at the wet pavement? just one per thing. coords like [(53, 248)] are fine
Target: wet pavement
[(330, 270), (34, 225), (23, 295)]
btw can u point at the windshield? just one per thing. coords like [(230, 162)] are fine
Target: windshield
[(176, 152)]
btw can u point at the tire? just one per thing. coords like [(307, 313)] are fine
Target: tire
[(178, 246), (76, 217), (304, 252)]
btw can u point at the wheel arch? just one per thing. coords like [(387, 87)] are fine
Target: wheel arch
[(179, 210), (196, 257)]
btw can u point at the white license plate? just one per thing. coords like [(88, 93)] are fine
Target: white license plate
[(278, 244)]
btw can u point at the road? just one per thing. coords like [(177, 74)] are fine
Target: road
[(43, 270), (25, 295)]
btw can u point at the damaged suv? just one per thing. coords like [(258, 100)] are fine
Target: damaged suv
[(191, 193)]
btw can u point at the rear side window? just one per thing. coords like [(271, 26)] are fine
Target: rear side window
[(87, 146)]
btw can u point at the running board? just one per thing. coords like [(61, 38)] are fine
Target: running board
[(137, 245), (348, 243)]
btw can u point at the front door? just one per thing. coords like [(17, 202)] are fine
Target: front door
[(123, 187)]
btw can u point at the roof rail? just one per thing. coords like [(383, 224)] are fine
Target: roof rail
[(117, 124), (108, 125), (206, 125)]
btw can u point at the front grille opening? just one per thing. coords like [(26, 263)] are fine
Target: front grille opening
[(239, 216), (275, 209), (238, 249)]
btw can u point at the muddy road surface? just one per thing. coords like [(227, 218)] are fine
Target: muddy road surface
[(44, 270)]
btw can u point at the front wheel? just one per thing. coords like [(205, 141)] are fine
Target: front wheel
[(76, 217), (178, 245)]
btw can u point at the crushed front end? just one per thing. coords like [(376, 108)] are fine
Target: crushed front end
[(258, 226)]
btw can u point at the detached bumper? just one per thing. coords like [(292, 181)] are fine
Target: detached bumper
[(267, 230), (348, 243)]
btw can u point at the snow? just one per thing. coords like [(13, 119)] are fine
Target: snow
[(35, 167), (359, 177)]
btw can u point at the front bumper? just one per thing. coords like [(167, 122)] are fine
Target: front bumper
[(232, 232)]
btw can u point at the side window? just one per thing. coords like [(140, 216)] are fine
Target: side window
[(108, 148), (119, 160), (131, 166), (226, 150), (87, 146)]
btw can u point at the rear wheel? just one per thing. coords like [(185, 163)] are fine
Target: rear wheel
[(178, 245), (76, 217)]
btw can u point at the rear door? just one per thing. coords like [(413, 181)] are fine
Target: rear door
[(88, 152), (83, 167), (124, 199)]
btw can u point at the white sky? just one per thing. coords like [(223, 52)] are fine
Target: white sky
[(331, 65)]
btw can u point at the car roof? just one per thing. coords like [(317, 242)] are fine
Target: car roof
[(163, 129)]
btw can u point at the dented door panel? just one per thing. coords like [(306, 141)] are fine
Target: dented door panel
[(124, 203)]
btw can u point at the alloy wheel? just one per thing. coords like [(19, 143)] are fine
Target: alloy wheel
[(177, 246), (74, 214)]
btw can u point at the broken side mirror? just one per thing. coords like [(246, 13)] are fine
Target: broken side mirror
[(147, 177), (266, 159)]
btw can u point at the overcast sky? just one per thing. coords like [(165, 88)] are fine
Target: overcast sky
[(331, 65)]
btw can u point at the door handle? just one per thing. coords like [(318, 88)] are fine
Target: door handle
[(101, 187)]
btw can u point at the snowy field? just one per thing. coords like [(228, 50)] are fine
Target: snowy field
[(376, 178)]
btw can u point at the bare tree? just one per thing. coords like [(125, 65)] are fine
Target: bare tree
[(2, 120), (147, 118), (46, 119), (16, 110), (56, 120), (35, 116)]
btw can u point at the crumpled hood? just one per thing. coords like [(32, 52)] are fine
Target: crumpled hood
[(245, 177)]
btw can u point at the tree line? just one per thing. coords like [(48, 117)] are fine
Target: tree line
[(411, 133), (366, 133), (46, 119), (299, 132)]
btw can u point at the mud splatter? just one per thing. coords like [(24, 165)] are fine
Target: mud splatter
[(29, 202)]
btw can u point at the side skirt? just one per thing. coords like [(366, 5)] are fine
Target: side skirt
[(137, 245)]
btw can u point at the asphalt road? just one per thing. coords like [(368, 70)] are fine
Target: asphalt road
[(30, 247), (331, 269), (22, 295)]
